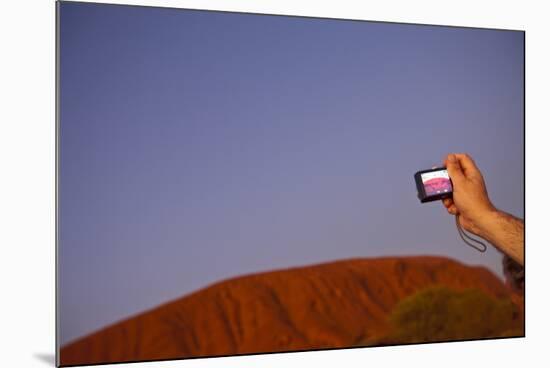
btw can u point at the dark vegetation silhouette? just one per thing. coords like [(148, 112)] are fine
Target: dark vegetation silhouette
[(442, 314)]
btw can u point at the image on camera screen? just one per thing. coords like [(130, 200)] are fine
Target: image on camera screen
[(436, 182)]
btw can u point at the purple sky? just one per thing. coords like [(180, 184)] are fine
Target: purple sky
[(197, 146)]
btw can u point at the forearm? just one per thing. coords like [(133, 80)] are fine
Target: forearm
[(505, 232)]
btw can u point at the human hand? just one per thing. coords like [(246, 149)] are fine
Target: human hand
[(470, 199)]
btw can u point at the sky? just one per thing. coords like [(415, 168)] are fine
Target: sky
[(197, 146)]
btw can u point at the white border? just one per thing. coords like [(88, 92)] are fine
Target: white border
[(27, 181)]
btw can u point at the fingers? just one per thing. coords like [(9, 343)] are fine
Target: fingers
[(454, 168), (450, 206), (452, 210), (467, 164)]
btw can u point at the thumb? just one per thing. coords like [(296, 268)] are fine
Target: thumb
[(454, 169)]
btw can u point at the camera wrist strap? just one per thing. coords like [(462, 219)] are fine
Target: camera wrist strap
[(465, 236)]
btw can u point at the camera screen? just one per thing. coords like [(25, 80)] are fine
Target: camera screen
[(436, 182)]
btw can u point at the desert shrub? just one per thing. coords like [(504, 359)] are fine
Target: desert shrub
[(442, 314)]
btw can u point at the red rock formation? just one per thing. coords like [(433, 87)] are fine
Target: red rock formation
[(335, 304)]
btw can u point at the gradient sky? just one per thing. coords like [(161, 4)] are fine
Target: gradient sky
[(197, 146)]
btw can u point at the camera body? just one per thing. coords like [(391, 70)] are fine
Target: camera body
[(433, 184)]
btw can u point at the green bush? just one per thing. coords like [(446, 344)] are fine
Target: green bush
[(442, 314)]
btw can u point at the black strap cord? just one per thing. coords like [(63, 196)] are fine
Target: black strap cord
[(465, 236)]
